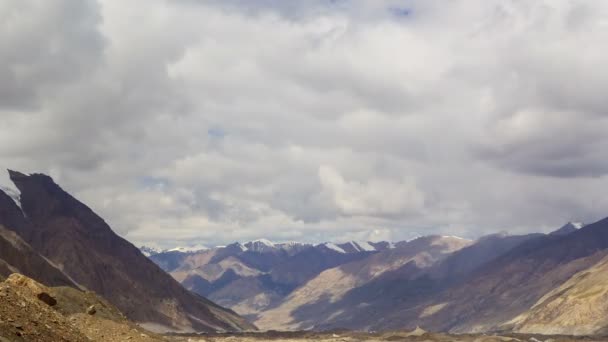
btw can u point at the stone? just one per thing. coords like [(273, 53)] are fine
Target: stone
[(46, 298), (91, 310)]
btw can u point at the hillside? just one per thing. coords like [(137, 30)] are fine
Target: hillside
[(503, 289), (85, 248), (30, 311), (16, 256), (579, 306)]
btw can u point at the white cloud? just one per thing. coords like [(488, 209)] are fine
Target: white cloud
[(310, 120), (376, 197)]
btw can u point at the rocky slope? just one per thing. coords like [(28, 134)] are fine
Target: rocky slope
[(510, 285), (404, 297), (579, 306), (84, 247), (30, 311), (16, 256)]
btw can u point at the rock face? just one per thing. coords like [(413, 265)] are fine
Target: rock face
[(84, 247)]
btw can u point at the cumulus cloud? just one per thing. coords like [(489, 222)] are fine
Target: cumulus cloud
[(214, 121)]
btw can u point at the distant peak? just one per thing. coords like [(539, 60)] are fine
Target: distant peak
[(577, 225), (149, 251), (568, 228), (263, 241), (188, 249), (260, 246)]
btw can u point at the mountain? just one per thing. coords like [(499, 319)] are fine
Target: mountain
[(405, 297), (323, 299), (84, 247), (535, 283), (568, 228), (16, 256), (189, 249), (252, 276), (261, 246), (510, 285), (578, 306), (149, 251)]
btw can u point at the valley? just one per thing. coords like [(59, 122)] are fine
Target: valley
[(65, 275)]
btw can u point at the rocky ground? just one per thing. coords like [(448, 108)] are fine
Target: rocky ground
[(30, 311), (414, 336)]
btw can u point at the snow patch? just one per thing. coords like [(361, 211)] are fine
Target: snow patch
[(333, 247), (241, 246), (190, 249), (577, 225), (453, 237), (149, 251), (365, 246), (14, 194), (264, 242)]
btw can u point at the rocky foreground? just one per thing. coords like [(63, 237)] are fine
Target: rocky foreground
[(30, 311), (416, 335)]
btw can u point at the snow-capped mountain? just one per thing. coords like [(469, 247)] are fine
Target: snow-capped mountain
[(332, 246), (267, 246), (13, 194), (149, 251), (357, 246), (568, 228), (260, 246), (188, 249)]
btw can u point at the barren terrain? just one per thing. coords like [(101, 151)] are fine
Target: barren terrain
[(418, 335)]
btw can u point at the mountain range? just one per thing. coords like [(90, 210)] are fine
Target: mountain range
[(535, 283)]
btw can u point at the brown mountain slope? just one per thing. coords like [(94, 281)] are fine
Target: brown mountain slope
[(510, 285), (16, 256), (314, 304), (83, 246), (398, 299), (577, 307)]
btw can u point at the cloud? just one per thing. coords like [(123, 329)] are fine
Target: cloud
[(215, 121), (376, 197)]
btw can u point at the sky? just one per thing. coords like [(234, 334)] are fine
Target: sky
[(187, 122)]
